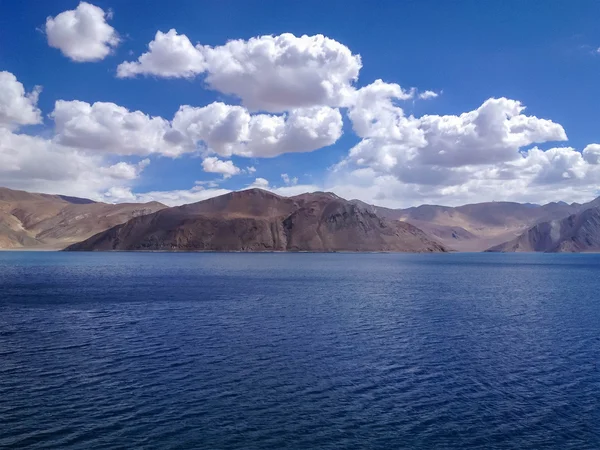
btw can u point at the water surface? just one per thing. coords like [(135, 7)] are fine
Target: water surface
[(228, 351)]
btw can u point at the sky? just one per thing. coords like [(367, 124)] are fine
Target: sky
[(393, 103)]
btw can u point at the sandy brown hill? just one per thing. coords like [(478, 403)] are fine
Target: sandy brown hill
[(476, 227), (576, 233), (42, 221), (257, 220)]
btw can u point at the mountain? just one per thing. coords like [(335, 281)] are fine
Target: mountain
[(257, 220), (478, 226), (43, 221), (576, 233)]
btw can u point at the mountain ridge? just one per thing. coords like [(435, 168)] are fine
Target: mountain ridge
[(258, 220), (47, 221), (576, 233), (51, 222)]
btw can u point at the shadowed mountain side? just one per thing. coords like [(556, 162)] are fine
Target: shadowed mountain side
[(576, 233), (257, 220), (42, 221)]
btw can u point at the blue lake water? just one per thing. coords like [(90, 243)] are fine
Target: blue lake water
[(272, 351)]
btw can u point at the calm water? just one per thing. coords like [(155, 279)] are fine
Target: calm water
[(270, 351)]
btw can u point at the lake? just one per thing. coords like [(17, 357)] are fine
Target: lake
[(299, 351)]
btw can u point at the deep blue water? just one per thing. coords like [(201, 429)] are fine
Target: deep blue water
[(270, 351)]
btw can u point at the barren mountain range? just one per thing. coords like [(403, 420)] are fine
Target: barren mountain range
[(257, 220), (42, 221), (576, 233)]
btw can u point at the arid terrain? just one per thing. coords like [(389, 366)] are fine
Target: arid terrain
[(258, 220), (52, 222)]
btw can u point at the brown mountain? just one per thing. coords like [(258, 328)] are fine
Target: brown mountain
[(42, 221), (479, 226), (576, 233), (257, 220)]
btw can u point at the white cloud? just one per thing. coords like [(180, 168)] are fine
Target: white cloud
[(231, 130), (289, 181), (413, 147), (40, 165), (373, 113), (224, 129), (480, 155), (426, 95), (250, 169), (535, 176), (82, 34), (270, 73), (591, 154), (260, 183), (110, 128), (276, 73), (215, 165), (169, 55), (125, 171), (169, 198), (17, 107)]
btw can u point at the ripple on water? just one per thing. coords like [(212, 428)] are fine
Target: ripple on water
[(299, 351)]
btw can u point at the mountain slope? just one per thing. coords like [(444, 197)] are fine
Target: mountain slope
[(576, 233), (476, 227), (257, 220), (29, 220)]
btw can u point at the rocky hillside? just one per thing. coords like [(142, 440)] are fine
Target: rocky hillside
[(42, 221), (576, 233), (478, 226), (257, 220)]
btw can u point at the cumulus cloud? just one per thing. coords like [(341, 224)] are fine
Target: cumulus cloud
[(480, 155), (591, 154), (223, 129), (374, 113), (215, 165), (289, 181), (538, 177), (110, 128), (125, 171), (231, 130), (17, 107), (270, 73), (82, 34), (169, 55), (560, 173), (426, 95), (409, 146), (260, 183), (40, 165)]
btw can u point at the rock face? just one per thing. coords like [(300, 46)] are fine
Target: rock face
[(42, 221), (576, 233), (257, 220)]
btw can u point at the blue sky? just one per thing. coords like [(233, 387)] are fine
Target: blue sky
[(509, 54)]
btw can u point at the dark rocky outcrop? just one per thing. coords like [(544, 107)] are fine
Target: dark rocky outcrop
[(257, 220)]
